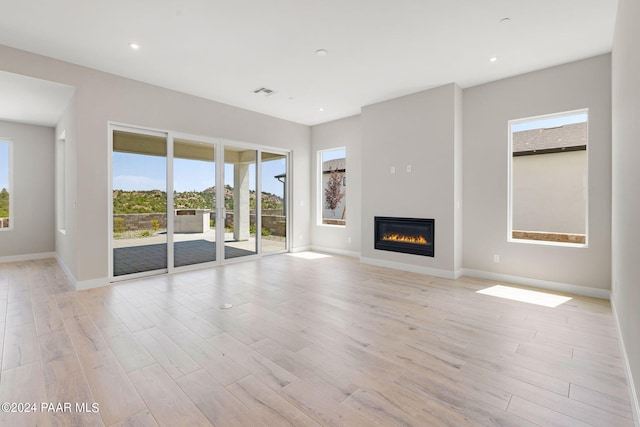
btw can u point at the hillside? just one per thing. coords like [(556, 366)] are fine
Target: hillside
[(130, 202), (4, 203)]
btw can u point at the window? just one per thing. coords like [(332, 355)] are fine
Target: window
[(333, 186), (6, 208), (548, 178)]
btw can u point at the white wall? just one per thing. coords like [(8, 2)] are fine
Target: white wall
[(549, 192), (32, 191), (487, 110), (340, 133), (626, 183), (421, 131), (66, 197), (102, 97)]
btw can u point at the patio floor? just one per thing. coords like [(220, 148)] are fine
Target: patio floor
[(137, 259), (150, 253)]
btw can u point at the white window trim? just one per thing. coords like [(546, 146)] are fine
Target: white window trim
[(510, 238), (320, 190), (11, 186)]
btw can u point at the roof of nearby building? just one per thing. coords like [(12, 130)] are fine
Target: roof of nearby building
[(551, 138), (335, 164)]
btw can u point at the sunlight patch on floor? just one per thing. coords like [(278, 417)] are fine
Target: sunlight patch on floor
[(525, 295), (309, 255)]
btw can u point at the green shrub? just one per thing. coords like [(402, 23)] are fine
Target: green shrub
[(264, 232), (118, 225)]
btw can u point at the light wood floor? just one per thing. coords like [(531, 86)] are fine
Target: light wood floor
[(308, 342)]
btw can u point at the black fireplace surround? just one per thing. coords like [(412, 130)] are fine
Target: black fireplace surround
[(405, 235)]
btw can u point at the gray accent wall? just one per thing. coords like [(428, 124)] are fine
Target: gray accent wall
[(487, 110), (32, 191), (626, 184), (420, 131)]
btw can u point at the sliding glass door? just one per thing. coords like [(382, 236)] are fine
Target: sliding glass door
[(239, 202), (180, 201), (139, 201), (194, 202), (273, 201)]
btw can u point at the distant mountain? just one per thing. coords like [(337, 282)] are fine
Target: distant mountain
[(130, 202)]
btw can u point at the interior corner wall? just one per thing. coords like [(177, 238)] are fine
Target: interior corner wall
[(66, 173), (340, 133), (626, 184), (101, 98), (458, 138), (487, 110), (419, 131), (31, 193)]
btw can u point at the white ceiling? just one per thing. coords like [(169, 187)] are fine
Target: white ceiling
[(28, 100), (377, 49)]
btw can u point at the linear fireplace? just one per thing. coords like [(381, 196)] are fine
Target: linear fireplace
[(406, 235)]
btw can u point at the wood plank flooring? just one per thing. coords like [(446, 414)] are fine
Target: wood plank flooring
[(308, 342)]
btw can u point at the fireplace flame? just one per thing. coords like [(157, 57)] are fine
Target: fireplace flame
[(419, 240)]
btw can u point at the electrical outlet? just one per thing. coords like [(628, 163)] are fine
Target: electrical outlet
[(496, 258), (408, 168), (349, 239), (393, 170)]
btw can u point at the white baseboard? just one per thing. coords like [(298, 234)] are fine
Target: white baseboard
[(445, 274), (81, 285), (66, 271), (300, 249), (543, 284), (351, 254), (27, 257), (633, 395)]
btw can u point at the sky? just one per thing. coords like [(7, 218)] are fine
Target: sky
[(549, 122), (142, 172), (337, 153), (4, 165)]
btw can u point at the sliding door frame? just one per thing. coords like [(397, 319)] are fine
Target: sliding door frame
[(219, 145), (114, 127)]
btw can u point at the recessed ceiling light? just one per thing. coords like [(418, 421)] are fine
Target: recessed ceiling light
[(134, 46), (321, 52), (321, 109), (493, 59)]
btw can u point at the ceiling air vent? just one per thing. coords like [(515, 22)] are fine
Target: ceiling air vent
[(264, 91)]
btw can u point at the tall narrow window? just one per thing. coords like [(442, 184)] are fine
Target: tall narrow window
[(549, 178), (6, 190), (333, 186)]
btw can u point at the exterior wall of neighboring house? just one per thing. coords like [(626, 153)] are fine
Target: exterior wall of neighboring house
[(549, 192)]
